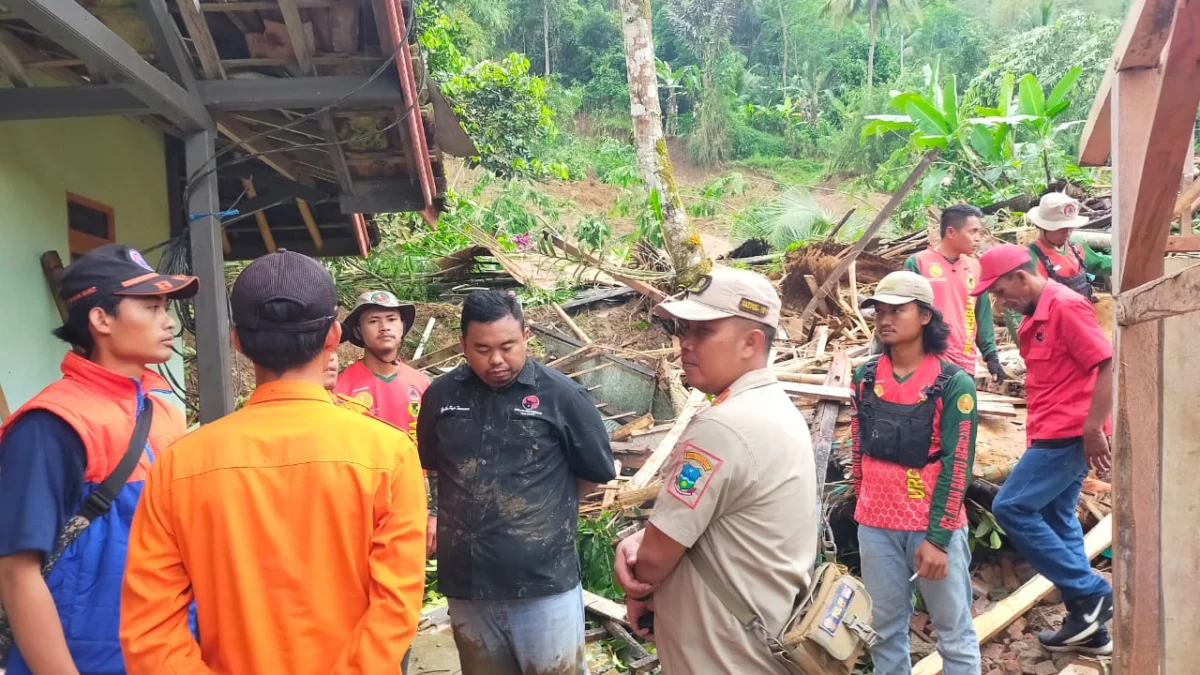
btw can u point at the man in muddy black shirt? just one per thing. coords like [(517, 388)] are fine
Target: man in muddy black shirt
[(513, 444)]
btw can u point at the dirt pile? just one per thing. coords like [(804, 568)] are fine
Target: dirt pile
[(818, 261)]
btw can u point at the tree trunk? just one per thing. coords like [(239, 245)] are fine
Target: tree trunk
[(871, 49), (681, 238), (546, 33), (672, 114), (784, 27)]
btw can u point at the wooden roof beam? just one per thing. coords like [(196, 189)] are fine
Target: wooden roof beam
[(1095, 145), (260, 216), (304, 57), (70, 25), (202, 39), (263, 151), (10, 61), (168, 43)]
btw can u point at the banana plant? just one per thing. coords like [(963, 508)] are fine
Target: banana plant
[(1045, 113), (992, 132), (931, 117)]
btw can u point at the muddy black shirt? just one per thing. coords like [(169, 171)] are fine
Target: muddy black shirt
[(506, 462)]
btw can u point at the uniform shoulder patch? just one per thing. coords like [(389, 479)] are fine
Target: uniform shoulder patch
[(935, 270), (966, 403), (693, 472)]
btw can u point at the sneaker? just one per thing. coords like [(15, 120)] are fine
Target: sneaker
[(1084, 623), (1098, 644)]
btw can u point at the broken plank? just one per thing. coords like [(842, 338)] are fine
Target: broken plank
[(640, 495), (436, 357), (424, 338), (582, 354), (604, 607), (562, 314), (636, 650), (644, 422), (798, 384), (826, 419), (587, 371), (991, 622), (650, 469), (996, 409)]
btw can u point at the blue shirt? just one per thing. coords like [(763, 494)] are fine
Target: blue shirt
[(42, 462)]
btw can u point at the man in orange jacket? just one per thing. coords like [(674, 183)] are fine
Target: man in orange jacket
[(57, 454), (298, 527)]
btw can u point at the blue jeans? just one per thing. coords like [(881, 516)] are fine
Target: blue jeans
[(534, 636), (887, 566), (1036, 508)]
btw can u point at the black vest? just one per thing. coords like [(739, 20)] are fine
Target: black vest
[(1078, 283), (895, 432)]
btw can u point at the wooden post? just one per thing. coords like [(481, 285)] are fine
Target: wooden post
[(214, 353), (1189, 167), (826, 424)]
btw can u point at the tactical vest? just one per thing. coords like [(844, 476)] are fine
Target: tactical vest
[(896, 432), (1078, 283)]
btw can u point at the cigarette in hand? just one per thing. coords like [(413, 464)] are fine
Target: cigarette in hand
[(913, 577)]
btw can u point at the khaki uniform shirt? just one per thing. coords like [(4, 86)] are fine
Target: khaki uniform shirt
[(742, 493)]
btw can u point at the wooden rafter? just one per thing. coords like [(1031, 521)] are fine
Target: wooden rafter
[(304, 57), (202, 39), (310, 223), (239, 134), (10, 61), (260, 217)]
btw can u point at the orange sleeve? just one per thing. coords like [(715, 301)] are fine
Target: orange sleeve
[(155, 637), (397, 567)]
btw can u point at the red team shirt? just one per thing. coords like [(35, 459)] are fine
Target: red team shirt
[(1062, 344), (952, 282), (396, 400)]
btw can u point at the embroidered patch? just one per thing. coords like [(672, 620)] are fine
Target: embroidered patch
[(365, 399), (916, 486), (701, 284), (751, 307), (1039, 336), (879, 390), (720, 399), (1070, 211), (970, 282), (137, 259), (383, 297), (413, 394), (692, 474), (966, 404), (530, 402), (935, 270)]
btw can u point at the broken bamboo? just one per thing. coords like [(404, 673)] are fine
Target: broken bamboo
[(649, 470), (562, 314)]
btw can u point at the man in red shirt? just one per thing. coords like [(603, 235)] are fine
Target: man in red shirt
[(379, 381), (1056, 217), (1068, 389), (952, 271), (913, 430)]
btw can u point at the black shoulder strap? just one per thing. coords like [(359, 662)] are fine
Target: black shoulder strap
[(1078, 251), (949, 370), (867, 383), (101, 499), (1041, 255)]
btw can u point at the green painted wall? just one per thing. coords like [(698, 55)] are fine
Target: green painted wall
[(115, 161)]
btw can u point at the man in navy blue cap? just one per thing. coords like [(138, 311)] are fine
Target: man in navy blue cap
[(66, 496)]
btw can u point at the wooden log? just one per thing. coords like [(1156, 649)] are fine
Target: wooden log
[(52, 268), (637, 496), (822, 339), (799, 385), (649, 470), (424, 338), (1170, 295), (562, 314), (991, 622), (872, 229), (989, 409)]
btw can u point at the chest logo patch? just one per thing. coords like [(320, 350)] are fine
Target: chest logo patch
[(879, 390), (692, 474), (971, 282), (413, 394), (1039, 336), (935, 270), (531, 403), (966, 404), (364, 399)]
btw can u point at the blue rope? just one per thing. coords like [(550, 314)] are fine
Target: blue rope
[(193, 217)]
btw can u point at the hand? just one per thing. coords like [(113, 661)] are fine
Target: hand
[(931, 562), (626, 559), (431, 537), (997, 370), (634, 609), (1097, 450)]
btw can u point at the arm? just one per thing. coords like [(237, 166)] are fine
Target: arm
[(41, 483), (33, 615), (959, 425), (589, 454), (657, 556), (985, 327), (911, 264), (1096, 263), (155, 636), (1090, 350), (397, 566)]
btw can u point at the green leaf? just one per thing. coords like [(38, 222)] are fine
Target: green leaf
[(926, 142), (995, 539), (1053, 111), (984, 143), (882, 124), (932, 182), (950, 102), (983, 528), (1005, 99), (1059, 94), (927, 118), (997, 120), (1033, 101)]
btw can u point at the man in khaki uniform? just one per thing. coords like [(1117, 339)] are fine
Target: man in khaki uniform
[(740, 491)]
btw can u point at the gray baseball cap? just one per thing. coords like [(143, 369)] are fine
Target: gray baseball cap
[(724, 293)]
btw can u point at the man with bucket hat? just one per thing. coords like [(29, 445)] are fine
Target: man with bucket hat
[(1056, 216), (73, 461), (738, 506), (913, 446), (389, 388), (1068, 389), (296, 526)]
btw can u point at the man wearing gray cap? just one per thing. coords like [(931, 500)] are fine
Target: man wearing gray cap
[(738, 510)]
